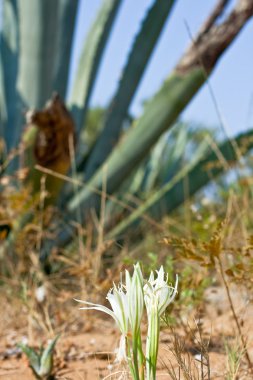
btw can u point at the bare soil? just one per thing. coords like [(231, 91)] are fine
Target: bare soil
[(86, 349)]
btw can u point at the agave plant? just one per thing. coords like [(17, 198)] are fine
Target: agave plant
[(120, 160), (41, 362)]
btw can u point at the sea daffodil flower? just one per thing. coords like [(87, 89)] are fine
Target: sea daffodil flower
[(157, 292), (127, 304), (157, 296), (135, 297)]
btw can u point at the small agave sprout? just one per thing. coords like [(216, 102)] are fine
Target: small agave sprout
[(127, 305), (40, 362)]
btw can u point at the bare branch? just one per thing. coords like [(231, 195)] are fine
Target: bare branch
[(205, 51), (216, 13)]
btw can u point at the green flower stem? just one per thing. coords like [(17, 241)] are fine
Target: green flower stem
[(131, 363), (152, 344), (138, 356), (141, 357), (135, 358)]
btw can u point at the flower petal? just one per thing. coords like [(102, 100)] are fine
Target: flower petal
[(94, 306), (121, 355)]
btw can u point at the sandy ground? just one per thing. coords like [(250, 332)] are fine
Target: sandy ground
[(87, 351)]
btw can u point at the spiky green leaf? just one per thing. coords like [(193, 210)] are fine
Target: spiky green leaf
[(9, 68), (38, 46), (139, 56), (90, 60), (66, 19), (46, 360), (33, 357)]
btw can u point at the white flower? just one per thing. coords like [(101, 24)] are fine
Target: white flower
[(121, 355), (127, 305), (118, 300), (157, 292), (134, 289)]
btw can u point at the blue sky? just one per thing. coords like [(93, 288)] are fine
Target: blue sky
[(231, 81)]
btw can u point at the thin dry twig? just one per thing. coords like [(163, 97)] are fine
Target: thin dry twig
[(231, 304)]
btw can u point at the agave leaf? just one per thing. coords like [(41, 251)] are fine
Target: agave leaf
[(67, 12), (139, 56), (199, 172), (46, 360), (9, 62), (90, 60), (166, 153), (165, 161), (181, 147), (206, 169), (165, 157), (3, 112), (139, 212), (33, 357), (153, 166), (38, 48)]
